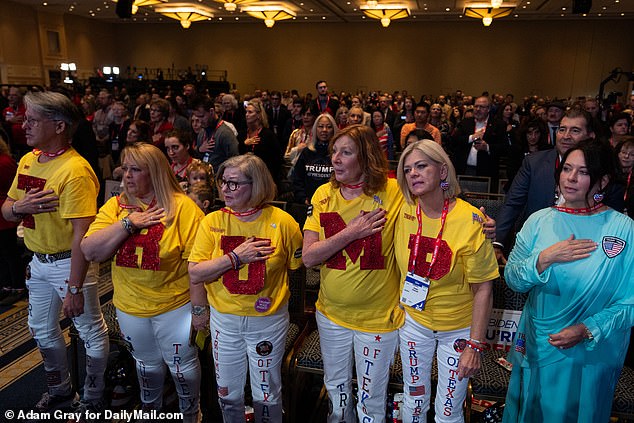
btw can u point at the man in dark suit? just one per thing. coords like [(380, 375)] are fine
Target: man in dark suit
[(386, 110), (533, 187), (478, 142), (277, 114), (323, 102)]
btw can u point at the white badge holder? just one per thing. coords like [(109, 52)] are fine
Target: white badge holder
[(415, 291)]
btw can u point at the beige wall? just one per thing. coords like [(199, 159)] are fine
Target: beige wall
[(557, 58)]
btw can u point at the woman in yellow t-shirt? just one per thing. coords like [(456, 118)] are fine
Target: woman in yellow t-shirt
[(349, 232), (447, 267), (147, 232), (242, 256)]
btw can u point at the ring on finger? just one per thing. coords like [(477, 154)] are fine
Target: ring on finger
[(39, 206)]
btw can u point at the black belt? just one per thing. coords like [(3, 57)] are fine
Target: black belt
[(50, 258)]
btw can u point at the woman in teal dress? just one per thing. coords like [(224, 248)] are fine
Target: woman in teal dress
[(575, 262)]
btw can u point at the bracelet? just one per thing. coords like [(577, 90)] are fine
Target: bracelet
[(475, 347), (237, 260), (15, 213), (232, 260), (588, 334), (127, 225), (198, 310)]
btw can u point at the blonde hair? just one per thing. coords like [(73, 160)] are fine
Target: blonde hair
[(259, 109), (263, 187), (435, 153), (164, 183), (313, 139)]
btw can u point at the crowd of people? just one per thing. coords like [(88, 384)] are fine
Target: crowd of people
[(406, 264)]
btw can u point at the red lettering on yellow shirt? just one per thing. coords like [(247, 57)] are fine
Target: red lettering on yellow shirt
[(370, 246), (256, 270), (441, 267), (27, 183), (149, 243)]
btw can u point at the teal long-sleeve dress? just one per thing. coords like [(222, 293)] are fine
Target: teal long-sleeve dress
[(576, 384)]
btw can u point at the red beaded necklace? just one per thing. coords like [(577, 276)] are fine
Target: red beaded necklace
[(355, 186), (59, 152), (585, 210), (241, 214)]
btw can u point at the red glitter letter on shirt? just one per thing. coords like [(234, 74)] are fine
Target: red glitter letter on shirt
[(371, 246), (426, 249), (231, 280), (149, 242), (27, 183)]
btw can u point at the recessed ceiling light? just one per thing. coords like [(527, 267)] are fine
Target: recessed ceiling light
[(45, 4), (563, 8), (425, 8), (447, 9), (323, 17), (305, 17), (599, 14), (99, 9)]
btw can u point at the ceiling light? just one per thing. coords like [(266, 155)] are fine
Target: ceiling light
[(386, 13), (496, 3), (486, 12), (232, 5), (185, 13), (269, 12), (372, 3)]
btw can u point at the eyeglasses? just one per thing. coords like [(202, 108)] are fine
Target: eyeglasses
[(154, 110), (33, 123), (234, 185), (626, 154)]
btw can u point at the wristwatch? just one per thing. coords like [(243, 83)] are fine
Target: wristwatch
[(74, 290), (127, 225), (198, 310)]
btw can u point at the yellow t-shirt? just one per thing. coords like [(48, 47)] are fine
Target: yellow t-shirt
[(149, 270), (72, 179), (258, 288), (464, 257), (359, 284)]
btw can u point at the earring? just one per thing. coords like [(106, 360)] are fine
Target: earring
[(444, 185), (598, 197)]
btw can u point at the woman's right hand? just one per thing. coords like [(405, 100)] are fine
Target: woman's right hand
[(252, 250), (150, 217), (565, 251), (367, 223)]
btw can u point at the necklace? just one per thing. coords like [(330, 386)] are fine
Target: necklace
[(241, 214), (179, 171), (355, 186), (585, 210), (59, 152)]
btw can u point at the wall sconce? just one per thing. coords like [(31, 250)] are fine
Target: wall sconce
[(487, 12), (386, 13), (269, 12), (185, 13), (232, 5)]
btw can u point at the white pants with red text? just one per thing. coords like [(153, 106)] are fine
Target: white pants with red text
[(159, 340), (256, 344), (372, 353), (418, 345), (47, 289)]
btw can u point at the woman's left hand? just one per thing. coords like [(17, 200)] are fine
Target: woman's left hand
[(73, 305), (201, 322), (470, 363), (568, 337), (488, 227)]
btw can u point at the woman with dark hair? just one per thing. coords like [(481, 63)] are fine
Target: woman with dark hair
[(159, 114), (383, 133), (147, 234), (506, 113), (300, 137), (531, 137), (178, 146), (406, 115), (619, 127), (575, 262), (247, 310), (139, 131), (350, 234), (625, 158)]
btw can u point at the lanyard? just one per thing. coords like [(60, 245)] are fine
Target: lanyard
[(434, 257), (134, 207)]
